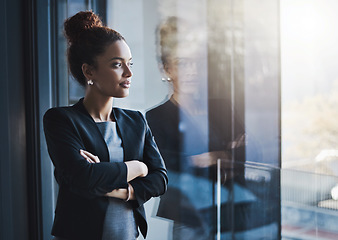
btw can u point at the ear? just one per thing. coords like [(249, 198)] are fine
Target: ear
[(88, 71), (166, 69)]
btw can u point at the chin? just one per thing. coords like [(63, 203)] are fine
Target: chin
[(121, 95)]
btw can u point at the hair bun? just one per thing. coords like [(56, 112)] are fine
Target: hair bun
[(79, 23)]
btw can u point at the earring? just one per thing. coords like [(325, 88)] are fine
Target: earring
[(166, 79), (90, 82)]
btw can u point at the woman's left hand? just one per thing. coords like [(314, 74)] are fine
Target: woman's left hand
[(91, 158), (122, 193), (208, 159)]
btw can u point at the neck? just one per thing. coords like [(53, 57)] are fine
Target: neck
[(183, 100), (188, 104), (99, 107)]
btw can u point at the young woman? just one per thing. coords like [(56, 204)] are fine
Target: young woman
[(193, 130), (106, 162)]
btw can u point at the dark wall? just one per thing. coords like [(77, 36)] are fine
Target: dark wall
[(13, 161)]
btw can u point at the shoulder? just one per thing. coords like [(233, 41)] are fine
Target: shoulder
[(61, 112), (160, 109), (161, 112), (56, 112), (65, 115)]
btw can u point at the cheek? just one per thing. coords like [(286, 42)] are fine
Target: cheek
[(109, 75), (172, 72)]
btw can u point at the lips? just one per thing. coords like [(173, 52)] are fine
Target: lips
[(125, 84)]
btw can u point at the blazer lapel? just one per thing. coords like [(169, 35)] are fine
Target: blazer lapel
[(97, 141), (129, 134)]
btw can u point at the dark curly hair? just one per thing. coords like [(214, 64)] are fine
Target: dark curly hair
[(87, 38)]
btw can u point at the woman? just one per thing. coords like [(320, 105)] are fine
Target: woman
[(181, 129), (194, 130), (106, 162)]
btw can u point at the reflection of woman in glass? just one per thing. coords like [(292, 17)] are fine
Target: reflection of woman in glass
[(193, 131), (106, 162), (180, 127)]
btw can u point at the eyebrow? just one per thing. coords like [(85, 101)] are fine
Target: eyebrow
[(119, 58)]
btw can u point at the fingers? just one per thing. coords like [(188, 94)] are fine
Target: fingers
[(89, 160), (238, 142), (89, 157), (86, 157), (88, 154), (208, 159)]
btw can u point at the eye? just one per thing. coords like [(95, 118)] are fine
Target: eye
[(117, 65), (130, 64)]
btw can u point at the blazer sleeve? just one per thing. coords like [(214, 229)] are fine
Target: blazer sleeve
[(155, 183), (71, 169)]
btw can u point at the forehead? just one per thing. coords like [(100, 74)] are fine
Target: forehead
[(186, 52), (117, 49)]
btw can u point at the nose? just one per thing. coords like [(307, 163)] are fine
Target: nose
[(192, 67), (127, 71)]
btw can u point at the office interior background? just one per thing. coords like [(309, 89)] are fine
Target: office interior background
[(269, 65)]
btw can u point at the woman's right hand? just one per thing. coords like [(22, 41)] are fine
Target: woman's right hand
[(91, 158), (135, 168)]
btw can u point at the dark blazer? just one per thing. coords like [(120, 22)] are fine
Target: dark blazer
[(81, 206)]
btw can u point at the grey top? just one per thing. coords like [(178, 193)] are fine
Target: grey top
[(119, 222)]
